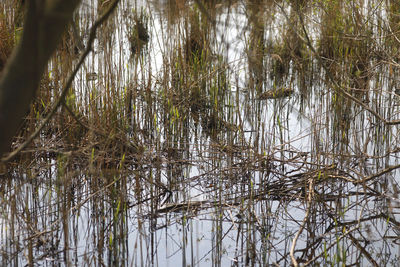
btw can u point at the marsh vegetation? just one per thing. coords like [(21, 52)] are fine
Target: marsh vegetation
[(211, 133)]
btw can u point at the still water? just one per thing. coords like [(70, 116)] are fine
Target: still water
[(216, 133)]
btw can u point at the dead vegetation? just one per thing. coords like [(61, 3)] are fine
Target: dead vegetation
[(281, 139)]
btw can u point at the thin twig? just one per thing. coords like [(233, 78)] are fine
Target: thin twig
[(309, 199), (363, 250)]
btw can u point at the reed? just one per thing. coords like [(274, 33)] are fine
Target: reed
[(249, 128)]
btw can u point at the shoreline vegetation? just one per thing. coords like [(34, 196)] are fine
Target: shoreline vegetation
[(242, 133)]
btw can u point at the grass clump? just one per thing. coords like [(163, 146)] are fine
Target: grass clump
[(139, 34)]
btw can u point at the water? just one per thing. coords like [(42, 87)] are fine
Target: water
[(180, 162)]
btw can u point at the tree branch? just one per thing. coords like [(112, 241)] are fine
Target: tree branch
[(68, 84), (43, 28)]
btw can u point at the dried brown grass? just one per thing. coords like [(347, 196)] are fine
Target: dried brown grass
[(6, 43)]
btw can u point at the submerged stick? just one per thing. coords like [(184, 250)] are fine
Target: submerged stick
[(309, 198)]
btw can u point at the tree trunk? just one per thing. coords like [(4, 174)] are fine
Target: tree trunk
[(45, 22)]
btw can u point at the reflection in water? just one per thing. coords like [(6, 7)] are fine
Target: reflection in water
[(218, 133)]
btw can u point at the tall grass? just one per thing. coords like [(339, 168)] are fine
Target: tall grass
[(165, 144)]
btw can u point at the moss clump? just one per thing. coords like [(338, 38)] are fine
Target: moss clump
[(139, 35), (276, 93)]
